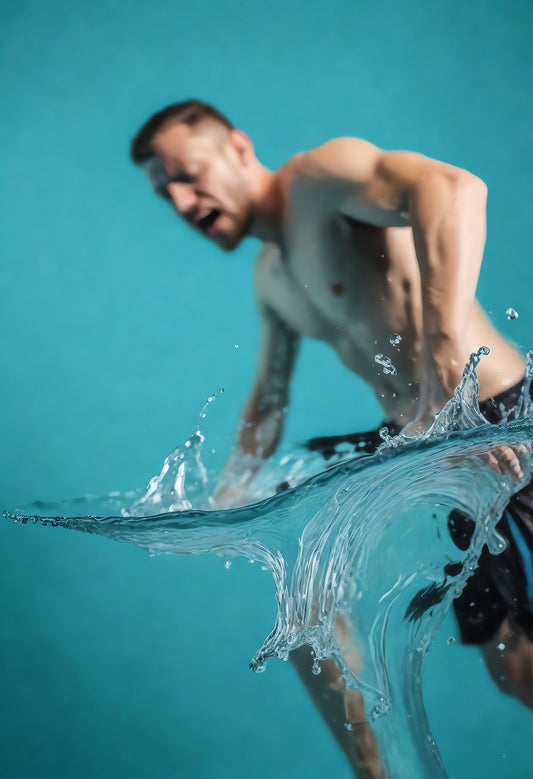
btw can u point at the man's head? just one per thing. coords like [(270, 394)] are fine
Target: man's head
[(199, 161)]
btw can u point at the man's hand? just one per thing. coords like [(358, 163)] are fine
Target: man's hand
[(226, 498), (508, 460)]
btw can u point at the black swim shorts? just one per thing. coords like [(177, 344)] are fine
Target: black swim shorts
[(502, 585)]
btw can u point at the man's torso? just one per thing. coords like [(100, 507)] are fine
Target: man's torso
[(357, 287)]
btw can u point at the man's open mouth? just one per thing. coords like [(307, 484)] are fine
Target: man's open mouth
[(206, 223)]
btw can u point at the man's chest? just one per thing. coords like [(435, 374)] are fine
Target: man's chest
[(334, 277)]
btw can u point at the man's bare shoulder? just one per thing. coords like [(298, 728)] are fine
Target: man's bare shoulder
[(358, 162), (345, 157)]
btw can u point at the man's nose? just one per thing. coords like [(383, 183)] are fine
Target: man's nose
[(183, 196)]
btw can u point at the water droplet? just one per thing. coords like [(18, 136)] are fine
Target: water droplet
[(385, 435), (381, 708), (386, 363), (451, 640), (258, 664), (211, 398), (511, 313), (221, 390), (236, 346), (213, 451), (501, 647), (348, 726), (227, 565), (316, 669), (395, 339)]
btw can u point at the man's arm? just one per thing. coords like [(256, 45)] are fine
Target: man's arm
[(264, 412), (444, 205), (263, 416)]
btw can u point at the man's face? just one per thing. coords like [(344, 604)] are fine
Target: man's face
[(203, 172)]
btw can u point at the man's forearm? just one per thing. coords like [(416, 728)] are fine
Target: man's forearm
[(260, 428), (259, 434), (449, 227)]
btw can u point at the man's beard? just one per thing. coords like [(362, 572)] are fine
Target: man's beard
[(242, 230)]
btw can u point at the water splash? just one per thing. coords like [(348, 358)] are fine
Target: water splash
[(511, 313), (462, 410), (366, 542), (183, 481), (524, 407)]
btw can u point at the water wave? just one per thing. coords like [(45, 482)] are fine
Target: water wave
[(365, 542)]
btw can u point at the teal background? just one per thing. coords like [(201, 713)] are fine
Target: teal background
[(117, 324)]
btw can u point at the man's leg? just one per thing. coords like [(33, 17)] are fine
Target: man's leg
[(509, 659), (341, 707), (498, 588)]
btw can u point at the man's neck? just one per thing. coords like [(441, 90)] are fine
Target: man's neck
[(268, 203)]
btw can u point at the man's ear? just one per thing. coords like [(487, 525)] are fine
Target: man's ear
[(243, 145)]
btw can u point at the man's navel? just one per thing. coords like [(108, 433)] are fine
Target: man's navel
[(337, 289)]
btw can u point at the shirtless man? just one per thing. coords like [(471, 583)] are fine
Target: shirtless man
[(358, 244)]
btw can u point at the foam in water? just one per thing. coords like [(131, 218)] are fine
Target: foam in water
[(364, 543)]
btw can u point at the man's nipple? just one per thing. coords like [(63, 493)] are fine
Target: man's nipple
[(337, 289)]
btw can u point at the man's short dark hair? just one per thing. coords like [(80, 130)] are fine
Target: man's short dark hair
[(190, 112)]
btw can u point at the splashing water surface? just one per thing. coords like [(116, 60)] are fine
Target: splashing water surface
[(365, 540)]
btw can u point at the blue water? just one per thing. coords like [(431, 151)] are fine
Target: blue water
[(114, 333)]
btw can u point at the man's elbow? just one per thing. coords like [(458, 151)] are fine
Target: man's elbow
[(471, 187), (448, 189)]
